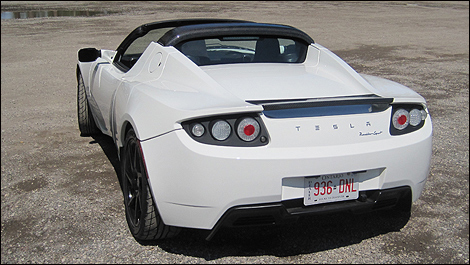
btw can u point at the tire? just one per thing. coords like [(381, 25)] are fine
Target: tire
[(145, 223), (86, 123)]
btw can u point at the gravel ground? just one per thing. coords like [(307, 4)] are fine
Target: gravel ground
[(61, 199)]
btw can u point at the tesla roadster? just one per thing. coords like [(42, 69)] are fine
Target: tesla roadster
[(235, 123)]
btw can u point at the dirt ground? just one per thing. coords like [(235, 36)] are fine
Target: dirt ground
[(60, 196)]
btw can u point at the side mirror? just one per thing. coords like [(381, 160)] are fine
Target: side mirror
[(88, 54)]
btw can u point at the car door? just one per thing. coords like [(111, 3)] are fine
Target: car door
[(106, 80), (108, 77)]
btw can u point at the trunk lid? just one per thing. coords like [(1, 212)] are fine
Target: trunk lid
[(265, 81)]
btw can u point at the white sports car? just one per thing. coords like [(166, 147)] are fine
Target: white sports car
[(233, 123)]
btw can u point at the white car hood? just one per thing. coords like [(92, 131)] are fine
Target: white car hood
[(266, 81)]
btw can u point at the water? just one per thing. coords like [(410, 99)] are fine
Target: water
[(53, 13)]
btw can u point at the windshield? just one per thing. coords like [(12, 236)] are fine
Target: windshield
[(249, 49)]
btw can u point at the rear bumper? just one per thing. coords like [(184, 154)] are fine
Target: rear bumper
[(195, 184), (291, 210)]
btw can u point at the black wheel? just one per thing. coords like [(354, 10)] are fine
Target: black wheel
[(142, 214), (86, 123)]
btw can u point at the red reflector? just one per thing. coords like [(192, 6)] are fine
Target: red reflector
[(249, 129), (402, 119)]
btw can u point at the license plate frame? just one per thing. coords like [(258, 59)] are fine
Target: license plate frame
[(330, 188)]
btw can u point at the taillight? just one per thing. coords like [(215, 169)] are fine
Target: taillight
[(416, 116), (407, 118), (248, 129), (221, 130), (197, 129), (400, 119), (245, 129)]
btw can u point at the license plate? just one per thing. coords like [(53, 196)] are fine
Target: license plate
[(330, 188)]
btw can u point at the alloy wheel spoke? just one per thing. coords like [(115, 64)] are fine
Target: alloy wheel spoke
[(136, 207), (131, 201), (134, 177)]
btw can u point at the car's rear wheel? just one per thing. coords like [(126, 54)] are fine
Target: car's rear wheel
[(86, 123), (145, 223)]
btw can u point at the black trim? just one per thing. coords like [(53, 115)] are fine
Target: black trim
[(197, 31), (233, 140), (145, 28), (290, 210), (121, 67), (185, 29), (322, 102), (409, 128), (271, 101)]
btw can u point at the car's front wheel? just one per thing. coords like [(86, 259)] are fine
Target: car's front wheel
[(86, 123), (142, 214)]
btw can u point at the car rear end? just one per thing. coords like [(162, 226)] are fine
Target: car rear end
[(316, 158)]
